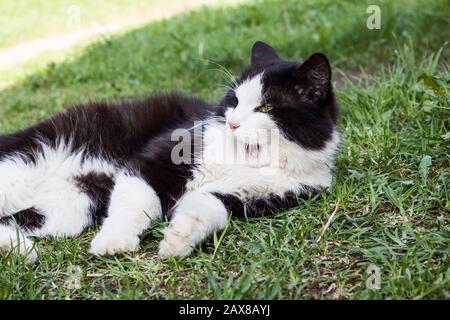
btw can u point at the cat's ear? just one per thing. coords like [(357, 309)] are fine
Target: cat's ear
[(262, 52), (314, 77)]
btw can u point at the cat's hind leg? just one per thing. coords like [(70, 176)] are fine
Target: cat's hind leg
[(56, 194), (59, 209), (133, 205), (37, 198), (67, 210)]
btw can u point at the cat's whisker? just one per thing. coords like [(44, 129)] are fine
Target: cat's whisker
[(225, 71)]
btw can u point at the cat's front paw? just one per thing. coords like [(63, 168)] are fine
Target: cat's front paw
[(112, 243), (174, 244)]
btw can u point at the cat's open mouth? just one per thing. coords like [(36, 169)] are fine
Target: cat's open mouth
[(252, 149)]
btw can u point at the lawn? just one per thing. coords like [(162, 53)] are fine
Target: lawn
[(22, 20), (390, 194)]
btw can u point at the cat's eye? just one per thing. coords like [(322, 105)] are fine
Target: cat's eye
[(265, 108)]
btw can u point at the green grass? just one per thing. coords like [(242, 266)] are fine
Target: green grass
[(391, 179), (23, 20)]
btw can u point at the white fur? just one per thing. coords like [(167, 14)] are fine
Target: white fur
[(12, 238), (132, 206), (249, 97), (288, 170), (196, 216), (48, 186), (253, 125)]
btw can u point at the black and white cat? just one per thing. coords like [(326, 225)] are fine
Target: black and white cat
[(120, 165)]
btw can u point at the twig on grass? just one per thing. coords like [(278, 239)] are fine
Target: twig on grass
[(328, 222)]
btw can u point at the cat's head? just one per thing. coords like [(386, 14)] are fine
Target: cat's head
[(295, 98)]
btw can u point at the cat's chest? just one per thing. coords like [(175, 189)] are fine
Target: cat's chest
[(226, 166)]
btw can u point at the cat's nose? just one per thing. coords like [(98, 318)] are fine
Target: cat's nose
[(233, 125)]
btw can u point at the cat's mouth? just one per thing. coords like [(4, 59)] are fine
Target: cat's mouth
[(252, 149)]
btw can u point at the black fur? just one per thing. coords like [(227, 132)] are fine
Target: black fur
[(263, 206), (98, 186), (116, 131), (28, 219)]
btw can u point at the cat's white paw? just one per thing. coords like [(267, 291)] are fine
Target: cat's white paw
[(174, 244), (112, 243)]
